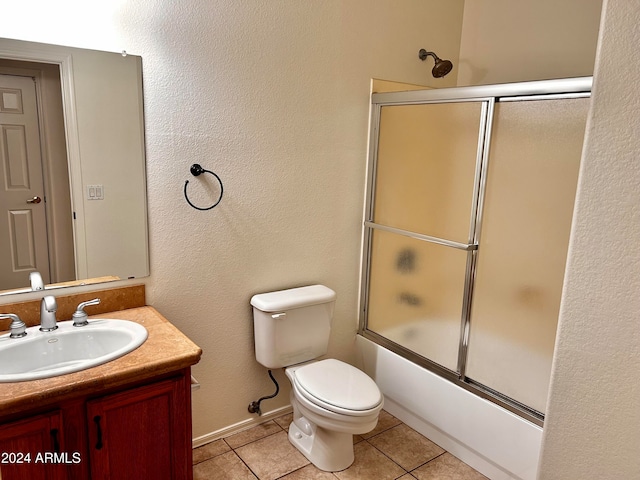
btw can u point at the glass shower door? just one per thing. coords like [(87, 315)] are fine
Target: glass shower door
[(422, 221), (532, 174), (471, 194)]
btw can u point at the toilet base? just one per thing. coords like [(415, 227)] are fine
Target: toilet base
[(328, 450)]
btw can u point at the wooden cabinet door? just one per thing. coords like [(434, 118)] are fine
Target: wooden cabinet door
[(33, 449), (142, 433)]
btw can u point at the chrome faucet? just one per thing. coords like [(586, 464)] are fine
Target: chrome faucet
[(18, 327), (48, 308), (80, 316), (35, 279)]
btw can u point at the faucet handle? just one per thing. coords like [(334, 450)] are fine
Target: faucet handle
[(80, 317), (18, 327)]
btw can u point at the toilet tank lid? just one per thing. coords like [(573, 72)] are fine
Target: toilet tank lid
[(293, 298)]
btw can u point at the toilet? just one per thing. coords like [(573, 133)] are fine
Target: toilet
[(331, 400)]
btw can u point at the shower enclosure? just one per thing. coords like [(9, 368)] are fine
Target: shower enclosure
[(469, 203)]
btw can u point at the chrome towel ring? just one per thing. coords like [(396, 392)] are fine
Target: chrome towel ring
[(195, 171)]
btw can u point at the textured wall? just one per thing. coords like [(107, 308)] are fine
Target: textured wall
[(507, 41), (273, 95), (593, 423)]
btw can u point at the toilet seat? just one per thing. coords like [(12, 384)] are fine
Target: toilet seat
[(337, 387)]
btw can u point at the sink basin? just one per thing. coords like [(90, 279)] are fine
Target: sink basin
[(67, 349)]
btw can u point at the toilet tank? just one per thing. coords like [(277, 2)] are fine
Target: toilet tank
[(292, 326)]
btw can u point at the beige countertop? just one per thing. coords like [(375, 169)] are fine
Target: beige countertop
[(165, 350)]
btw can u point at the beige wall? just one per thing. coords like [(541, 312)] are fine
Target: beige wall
[(593, 422), (276, 102), (511, 41), (380, 86), (272, 95)]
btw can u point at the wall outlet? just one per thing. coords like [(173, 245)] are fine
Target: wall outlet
[(95, 192)]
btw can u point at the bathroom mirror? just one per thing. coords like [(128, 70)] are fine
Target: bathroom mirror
[(72, 156)]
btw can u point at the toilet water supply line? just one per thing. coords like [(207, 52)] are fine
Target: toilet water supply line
[(254, 407)]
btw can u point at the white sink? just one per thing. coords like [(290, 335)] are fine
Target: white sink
[(67, 349)]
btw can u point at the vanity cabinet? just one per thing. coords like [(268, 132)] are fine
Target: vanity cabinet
[(23, 445), (140, 433), (137, 431)]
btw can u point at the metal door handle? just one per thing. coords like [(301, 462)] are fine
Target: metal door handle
[(34, 200), (54, 438), (99, 443)]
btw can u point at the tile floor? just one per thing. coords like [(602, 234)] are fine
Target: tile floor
[(391, 451)]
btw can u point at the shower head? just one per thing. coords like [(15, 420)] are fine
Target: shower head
[(441, 68)]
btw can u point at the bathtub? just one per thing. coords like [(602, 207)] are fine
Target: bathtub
[(494, 441)]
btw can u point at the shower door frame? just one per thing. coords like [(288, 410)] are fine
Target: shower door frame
[(488, 96)]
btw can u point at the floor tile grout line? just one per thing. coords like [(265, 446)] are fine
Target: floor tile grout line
[(213, 456), (246, 465), (383, 453), (232, 449), (381, 431), (405, 473), (292, 471), (404, 469), (428, 461), (255, 474), (253, 441), (298, 469)]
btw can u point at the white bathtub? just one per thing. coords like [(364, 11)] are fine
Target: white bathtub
[(494, 441)]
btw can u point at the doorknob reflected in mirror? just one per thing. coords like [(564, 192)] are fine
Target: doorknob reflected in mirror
[(34, 200)]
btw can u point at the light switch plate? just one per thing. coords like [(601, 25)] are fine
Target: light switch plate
[(95, 192)]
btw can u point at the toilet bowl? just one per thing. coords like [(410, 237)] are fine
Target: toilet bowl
[(331, 402)]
